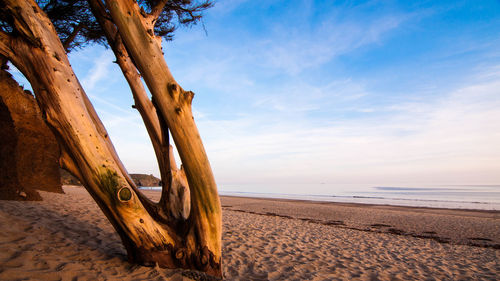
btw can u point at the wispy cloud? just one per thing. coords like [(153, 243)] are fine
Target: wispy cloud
[(298, 93), (99, 71), (452, 139), (294, 49), (235, 60)]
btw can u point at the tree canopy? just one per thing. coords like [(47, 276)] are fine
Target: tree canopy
[(77, 27)]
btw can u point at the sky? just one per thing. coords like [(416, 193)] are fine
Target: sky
[(341, 92)]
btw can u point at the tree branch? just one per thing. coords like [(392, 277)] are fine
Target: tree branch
[(5, 44), (157, 129), (72, 36), (51, 3), (67, 162), (22, 27), (157, 10)]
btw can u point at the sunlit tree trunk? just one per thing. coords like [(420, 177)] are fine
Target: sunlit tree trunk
[(175, 190), (169, 233), (174, 107)]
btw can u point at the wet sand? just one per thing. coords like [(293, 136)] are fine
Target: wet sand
[(66, 237)]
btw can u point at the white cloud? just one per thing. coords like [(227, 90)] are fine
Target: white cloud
[(100, 71), (448, 137), (453, 139), (234, 61), (296, 49)]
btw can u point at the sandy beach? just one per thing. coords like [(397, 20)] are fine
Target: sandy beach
[(66, 237)]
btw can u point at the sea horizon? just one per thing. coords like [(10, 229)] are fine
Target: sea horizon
[(474, 197)]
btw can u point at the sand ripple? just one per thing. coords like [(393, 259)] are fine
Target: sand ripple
[(260, 247), (66, 237)]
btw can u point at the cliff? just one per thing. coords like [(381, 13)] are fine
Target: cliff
[(145, 180), (139, 179), (29, 152)]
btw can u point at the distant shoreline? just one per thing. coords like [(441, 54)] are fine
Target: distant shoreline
[(367, 200), (365, 205)]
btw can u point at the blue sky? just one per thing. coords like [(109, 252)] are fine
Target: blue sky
[(366, 92)]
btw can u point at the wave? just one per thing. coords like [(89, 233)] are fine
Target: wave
[(384, 200), (395, 188)]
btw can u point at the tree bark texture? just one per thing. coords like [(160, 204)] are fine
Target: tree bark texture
[(174, 106), (172, 233), (157, 130)]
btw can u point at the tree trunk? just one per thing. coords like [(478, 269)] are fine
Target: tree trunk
[(167, 234), (174, 106), (158, 131)]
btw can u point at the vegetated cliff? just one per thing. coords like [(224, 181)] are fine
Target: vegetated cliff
[(29, 152), (139, 179), (145, 180)]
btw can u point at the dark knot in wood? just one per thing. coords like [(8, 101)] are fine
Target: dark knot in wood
[(124, 194), (204, 256), (180, 253), (57, 57)]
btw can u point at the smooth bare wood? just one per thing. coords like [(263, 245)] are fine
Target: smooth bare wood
[(184, 229), (174, 105), (179, 196), (158, 136), (43, 61), (5, 42), (175, 189)]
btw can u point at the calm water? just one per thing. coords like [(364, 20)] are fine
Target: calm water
[(484, 197)]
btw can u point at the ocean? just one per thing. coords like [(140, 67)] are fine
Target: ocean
[(480, 197)]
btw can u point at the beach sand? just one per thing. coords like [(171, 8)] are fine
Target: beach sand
[(66, 237)]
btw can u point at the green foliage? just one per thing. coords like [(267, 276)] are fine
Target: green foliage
[(77, 26), (74, 22)]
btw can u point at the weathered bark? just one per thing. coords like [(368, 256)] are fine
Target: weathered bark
[(169, 233), (174, 106), (157, 130), (87, 150)]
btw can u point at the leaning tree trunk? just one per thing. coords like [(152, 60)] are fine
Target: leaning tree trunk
[(151, 233), (157, 130), (174, 106)]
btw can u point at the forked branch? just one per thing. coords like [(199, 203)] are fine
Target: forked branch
[(174, 185)]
